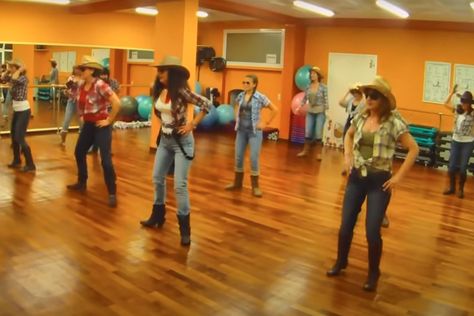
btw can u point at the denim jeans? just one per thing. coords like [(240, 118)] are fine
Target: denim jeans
[(358, 189), (244, 137), (68, 115), (18, 132), (7, 102), (315, 125), (167, 153), (459, 156), (89, 134)]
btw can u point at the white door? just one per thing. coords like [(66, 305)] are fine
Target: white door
[(344, 71)]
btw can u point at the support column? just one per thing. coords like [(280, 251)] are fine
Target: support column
[(176, 34), (294, 58)]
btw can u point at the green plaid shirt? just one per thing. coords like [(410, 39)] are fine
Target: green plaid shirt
[(385, 142)]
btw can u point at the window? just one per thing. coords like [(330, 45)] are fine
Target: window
[(254, 47), (141, 55), (6, 52)]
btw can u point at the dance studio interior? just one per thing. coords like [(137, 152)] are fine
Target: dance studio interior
[(237, 157)]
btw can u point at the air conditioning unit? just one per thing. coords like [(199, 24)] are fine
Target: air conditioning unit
[(136, 55), (41, 48)]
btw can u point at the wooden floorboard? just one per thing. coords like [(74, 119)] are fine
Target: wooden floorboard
[(63, 253)]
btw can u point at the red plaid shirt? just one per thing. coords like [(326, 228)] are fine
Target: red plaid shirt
[(92, 104)]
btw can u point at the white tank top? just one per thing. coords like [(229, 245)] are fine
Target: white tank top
[(166, 117)]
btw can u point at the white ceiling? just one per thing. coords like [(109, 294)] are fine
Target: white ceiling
[(434, 10)]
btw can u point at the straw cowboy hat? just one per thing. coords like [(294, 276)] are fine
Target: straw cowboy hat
[(317, 70), (171, 62), (90, 62), (381, 85), (16, 62), (355, 87)]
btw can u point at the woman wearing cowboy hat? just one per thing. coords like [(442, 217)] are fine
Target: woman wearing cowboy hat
[(93, 98), (352, 102), (21, 115), (172, 95), (369, 148), (463, 140), (316, 95)]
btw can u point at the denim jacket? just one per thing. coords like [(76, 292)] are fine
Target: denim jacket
[(257, 102)]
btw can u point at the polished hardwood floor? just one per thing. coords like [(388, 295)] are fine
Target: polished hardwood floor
[(63, 253)]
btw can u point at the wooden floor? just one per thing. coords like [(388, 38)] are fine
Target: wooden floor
[(69, 254)]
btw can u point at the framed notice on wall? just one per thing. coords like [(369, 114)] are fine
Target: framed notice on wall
[(464, 77), (437, 82)]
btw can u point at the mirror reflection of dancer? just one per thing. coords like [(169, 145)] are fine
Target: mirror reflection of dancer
[(16, 77), (369, 148), (462, 144), (171, 94), (71, 107)]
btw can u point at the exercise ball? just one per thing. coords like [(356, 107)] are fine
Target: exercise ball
[(141, 97), (128, 106), (225, 114), (209, 120), (296, 106), (145, 105), (198, 87), (106, 62), (302, 79)]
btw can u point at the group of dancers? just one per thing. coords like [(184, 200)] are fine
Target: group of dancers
[(372, 132)]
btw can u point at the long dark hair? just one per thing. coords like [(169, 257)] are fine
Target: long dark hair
[(254, 80), (177, 80)]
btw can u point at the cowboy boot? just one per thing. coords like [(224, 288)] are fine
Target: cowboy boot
[(157, 217)]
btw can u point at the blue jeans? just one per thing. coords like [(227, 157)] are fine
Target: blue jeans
[(89, 135), (315, 125), (167, 153), (459, 156), (243, 138), (358, 189), (7, 103), (68, 115)]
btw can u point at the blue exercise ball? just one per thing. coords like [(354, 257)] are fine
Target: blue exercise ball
[(210, 120), (106, 62), (128, 105), (225, 114), (198, 87), (141, 97), (302, 79), (145, 105)]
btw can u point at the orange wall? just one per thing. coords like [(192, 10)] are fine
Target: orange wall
[(50, 24), (212, 34), (401, 59)]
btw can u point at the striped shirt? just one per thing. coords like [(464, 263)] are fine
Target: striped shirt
[(385, 142)]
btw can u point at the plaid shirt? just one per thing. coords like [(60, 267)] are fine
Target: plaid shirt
[(180, 106), (97, 99), (71, 87), (115, 85), (385, 142), (19, 87), (257, 102), (318, 101)]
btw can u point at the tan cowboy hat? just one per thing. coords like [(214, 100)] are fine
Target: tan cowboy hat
[(317, 70), (16, 62), (53, 60), (90, 62), (381, 85), (355, 87), (171, 62)]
